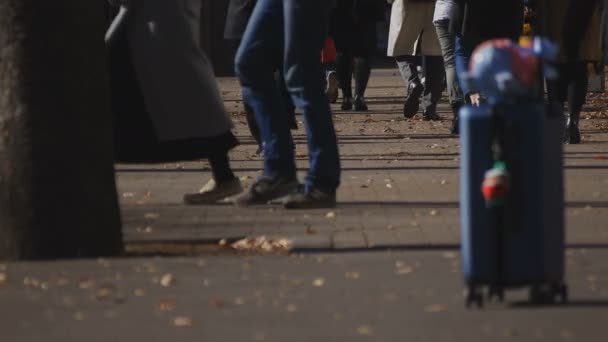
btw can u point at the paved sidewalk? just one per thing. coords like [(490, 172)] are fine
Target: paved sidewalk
[(343, 297), (398, 209), (399, 189)]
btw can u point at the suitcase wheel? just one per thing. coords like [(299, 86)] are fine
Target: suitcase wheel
[(548, 294), (473, 295), (496, 292)]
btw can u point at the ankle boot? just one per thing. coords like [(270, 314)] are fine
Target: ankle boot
[(347, 103), (572, 134), (455, 122), (360, 104)]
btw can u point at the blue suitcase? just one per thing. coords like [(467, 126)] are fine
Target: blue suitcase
[(524, 245)]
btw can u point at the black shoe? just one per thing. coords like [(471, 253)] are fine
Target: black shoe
[(455, 126), (310, 199), (266, 189), (347, 103), (412, 101), (572, 134), (360, 104), (430, 116)]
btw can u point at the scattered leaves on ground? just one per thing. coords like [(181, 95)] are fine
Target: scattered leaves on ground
[(263, 244), (31, 282)]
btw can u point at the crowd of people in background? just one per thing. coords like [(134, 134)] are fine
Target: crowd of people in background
[(297, 54)]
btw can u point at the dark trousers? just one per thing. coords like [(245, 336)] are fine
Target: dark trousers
[(349, 64), (570, 87)]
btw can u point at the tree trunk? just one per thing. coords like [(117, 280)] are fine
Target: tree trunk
[(57, 188)]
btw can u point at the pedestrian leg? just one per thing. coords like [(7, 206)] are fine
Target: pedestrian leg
[(408, 69), (304, 37), (434, 74)]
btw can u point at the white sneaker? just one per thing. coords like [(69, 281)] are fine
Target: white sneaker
[(332, 87), (212, 192)]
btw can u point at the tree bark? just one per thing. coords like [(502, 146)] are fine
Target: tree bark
[(57, 187)]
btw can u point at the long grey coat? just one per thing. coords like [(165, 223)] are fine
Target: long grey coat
[(411, 30), (175, 76)]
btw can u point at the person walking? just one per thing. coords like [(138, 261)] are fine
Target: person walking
[(444, 10), (353, 27), (575, 26), (237, 18), (413, 42), (289, 34), (475, 21), (164, 97)]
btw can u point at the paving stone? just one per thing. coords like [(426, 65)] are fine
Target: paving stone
[(311, 242), (381, 239), (349, 240)]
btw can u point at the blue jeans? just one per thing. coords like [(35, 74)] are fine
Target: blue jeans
[(290, 34), (463, 48)]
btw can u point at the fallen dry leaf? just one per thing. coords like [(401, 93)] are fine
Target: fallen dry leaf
[(151, 215), (165, 305), (3, 279), (352, 275), (319, 282), (182, 322), (365, 330), (217, 302), (139, 292), (450, 255), (291, 308), (31, 282), (103, 293), (330, 215), (310, 231), (435, 308), (167, 280)]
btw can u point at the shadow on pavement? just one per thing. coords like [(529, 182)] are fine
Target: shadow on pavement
[(582, 303)]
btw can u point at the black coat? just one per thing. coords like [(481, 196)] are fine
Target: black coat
[(353, 24), (487, 19), (239, 12)]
